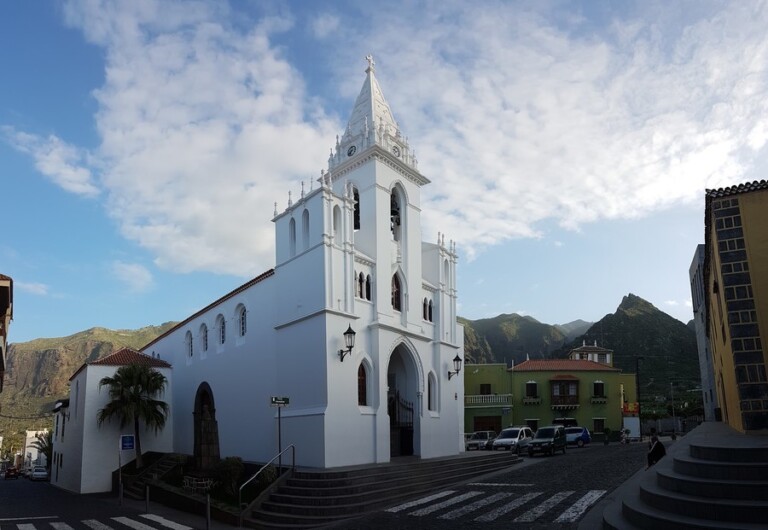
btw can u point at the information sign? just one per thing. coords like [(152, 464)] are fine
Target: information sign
[(276, 401), (127, 442)]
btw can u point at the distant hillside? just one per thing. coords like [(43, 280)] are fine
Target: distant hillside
[(638, 329), (39, 370), (510, 338)]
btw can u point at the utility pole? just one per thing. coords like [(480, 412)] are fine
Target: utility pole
[(637, 384), (674, 422)]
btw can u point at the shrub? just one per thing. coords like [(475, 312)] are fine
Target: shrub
[(229, 472)]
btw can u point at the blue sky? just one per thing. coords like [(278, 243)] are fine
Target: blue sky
[(143, 144)]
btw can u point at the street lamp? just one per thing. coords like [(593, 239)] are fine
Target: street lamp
[(637, 384), (349, 342), (456, 367)]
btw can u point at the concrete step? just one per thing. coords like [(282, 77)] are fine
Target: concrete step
[(729, 452), (672, 502), (714, 488), (369, 489), (635, 514), (686, 464)]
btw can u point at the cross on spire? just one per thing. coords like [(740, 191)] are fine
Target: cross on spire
[(371, 63)]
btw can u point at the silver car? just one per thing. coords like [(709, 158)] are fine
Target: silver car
[(513, 439)]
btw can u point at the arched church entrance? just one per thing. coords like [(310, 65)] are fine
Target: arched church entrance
[(206, 448), (402, 393)]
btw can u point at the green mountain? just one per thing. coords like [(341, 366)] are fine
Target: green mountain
[(666, 346), (636, 330), (39, 370), (510, 338)]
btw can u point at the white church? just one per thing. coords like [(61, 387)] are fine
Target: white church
[(355, 327)]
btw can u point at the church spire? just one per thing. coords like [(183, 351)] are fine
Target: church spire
[(371, 123)]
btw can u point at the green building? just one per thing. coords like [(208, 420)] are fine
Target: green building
[(585, 388)]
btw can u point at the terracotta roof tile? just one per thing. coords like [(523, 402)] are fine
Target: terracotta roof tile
[(741, 188), (4, 277), (130, 356), (562, 365), (123, 357)]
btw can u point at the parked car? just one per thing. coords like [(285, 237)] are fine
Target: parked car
[(513, 439), (548, 440), (479, 439), (11, 472), (577, 436), (39, 473)]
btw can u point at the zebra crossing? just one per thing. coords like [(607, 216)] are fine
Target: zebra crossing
[(114, 523), (493, 505)]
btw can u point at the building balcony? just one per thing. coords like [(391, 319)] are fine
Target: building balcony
[(488, 400), (598, 400), (531, 401), (565, 402)]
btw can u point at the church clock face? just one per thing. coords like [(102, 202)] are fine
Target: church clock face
[(352, 150), (396, 151)]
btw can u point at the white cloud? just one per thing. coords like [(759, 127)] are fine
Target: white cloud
[(324, 25), (40, 289), (63, 164), (518, 116), (673, 303), (134, 275)]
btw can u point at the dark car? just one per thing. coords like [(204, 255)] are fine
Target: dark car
[(578, 436), (11, 472), (548, 440)]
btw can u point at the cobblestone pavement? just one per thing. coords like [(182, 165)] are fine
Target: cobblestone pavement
[(540, 493)]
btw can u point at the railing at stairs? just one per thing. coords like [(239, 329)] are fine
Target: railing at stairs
[(262, 468)]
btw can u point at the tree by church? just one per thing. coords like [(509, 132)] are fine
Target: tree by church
[(132, 393)]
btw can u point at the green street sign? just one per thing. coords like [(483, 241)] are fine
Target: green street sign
[(276, 401)]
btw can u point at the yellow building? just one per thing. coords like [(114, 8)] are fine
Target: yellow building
[(736, 282)]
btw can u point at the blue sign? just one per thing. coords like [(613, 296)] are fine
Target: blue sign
[(127, 442)]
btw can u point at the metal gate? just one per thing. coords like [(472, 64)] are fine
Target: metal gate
[(400, 426)]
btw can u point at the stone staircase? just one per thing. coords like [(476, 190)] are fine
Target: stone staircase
[(713, 478), (137, 488), (312, 499)]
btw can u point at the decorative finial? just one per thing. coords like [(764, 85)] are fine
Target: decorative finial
[(302, 189), (290, 200), (371, 64), (275, 208), (438, 238)]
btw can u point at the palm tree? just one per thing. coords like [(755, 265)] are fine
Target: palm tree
[(44, 444), (132, 391)]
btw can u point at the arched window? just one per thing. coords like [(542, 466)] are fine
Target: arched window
[(362, 386), (360, 285), (305, 229), (395, 214), (356, 198), (204, 337), (222, 325), (336, 222), (396, 294), (432, 393), (429, 311), (424, 313), (368, 287), (241, 321), (292, 236), (188, 341)]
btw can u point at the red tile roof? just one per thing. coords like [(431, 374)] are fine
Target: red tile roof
[(4, 277), (130, 356), (562, 365), (125, 357)]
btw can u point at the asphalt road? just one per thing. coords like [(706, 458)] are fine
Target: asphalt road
[(27, 505), (540, 493)]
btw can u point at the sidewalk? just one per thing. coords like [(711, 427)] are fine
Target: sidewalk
[(191, 520)]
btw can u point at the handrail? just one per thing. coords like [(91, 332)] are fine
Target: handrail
[(278, 455)]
